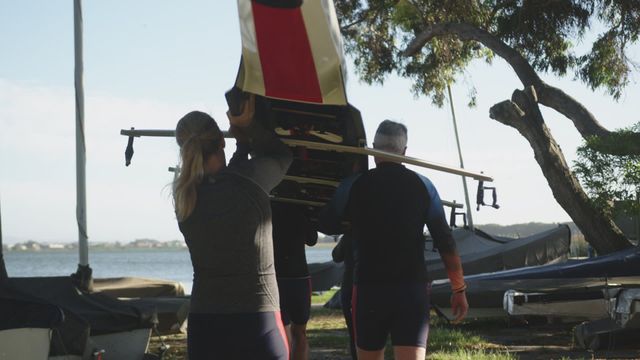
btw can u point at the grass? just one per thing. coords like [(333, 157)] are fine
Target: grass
[(328, 339), (495, 339), (443, 339), (327, 331), (319, 298), (446, 343), (470, 354)]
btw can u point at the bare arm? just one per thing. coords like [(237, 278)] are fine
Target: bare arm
[(446, 245), (453, 265)]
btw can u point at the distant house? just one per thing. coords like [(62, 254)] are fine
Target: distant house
[(145, 243), (27, 246), (19, 247), (175, 244), (55, 246)]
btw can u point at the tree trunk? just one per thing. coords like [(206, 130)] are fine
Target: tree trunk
[(522, 113)]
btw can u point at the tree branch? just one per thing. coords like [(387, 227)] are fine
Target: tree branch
[(468, 32), (550, 96), (365, 15)]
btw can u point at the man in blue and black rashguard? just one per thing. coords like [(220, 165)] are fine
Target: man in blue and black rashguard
[(388, 207)]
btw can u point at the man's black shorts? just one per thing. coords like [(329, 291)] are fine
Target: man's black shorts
[(295, 300), (401, 310)]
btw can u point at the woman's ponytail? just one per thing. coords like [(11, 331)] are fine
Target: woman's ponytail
[(199, 137)]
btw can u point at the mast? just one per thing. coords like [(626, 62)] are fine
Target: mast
[(464, 179), (83, 274)]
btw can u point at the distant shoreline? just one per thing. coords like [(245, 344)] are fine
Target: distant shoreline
[(515, 230), (175, 245), (144, 244), (93, 249)]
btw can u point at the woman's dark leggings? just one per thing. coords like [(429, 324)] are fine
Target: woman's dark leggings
[(258, 336)]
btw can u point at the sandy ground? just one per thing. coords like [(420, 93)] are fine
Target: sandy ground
[(553, 341)]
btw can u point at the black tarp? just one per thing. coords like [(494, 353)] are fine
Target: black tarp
[(621, 268), (336, 301), (103, 314), (19, 309), (325, 275), (618, 264), (482, 253), (23, 311)]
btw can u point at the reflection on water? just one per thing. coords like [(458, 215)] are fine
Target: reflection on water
[(168, 264)]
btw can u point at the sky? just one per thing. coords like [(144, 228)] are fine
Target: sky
[(148, 62)]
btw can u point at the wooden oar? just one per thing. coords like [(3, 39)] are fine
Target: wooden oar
[(339, 148)]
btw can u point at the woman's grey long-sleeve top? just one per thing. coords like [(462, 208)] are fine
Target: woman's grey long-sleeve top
[(229, 231)]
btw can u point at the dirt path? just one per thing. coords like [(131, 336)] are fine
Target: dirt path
[(555, 341), (526, 342)]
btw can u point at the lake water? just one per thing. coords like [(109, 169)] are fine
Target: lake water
[(168, 264)]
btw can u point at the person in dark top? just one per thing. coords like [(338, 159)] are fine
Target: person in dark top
[(225, 217), (387, 208), (343, 252), (292, 230)]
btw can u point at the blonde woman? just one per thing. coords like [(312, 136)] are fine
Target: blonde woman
[(224, 214)]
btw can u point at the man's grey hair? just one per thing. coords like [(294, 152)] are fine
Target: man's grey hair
[(391, 136)]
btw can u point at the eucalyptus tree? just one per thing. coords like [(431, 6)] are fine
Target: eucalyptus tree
[(432, 42), (612, 181)]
